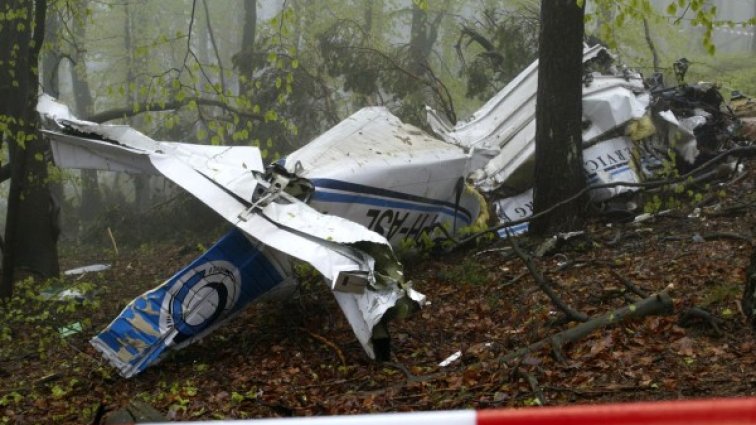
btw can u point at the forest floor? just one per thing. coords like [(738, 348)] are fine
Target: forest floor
[(299, 357)]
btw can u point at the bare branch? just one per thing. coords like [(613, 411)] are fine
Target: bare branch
[(117, 113)]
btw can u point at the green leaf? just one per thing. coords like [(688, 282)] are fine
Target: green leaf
[(201, 134), (270, 115)]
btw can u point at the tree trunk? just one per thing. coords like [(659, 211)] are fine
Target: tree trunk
[(423, 35), (558, 160), (244, 62), (51, 57), (90, 192), (142, 194), (31, 225)]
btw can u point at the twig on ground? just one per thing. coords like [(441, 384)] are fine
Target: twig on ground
[(615, 240), (726, 235), (330, 344), (515, 279), (113, 241), (41, 381), (533, 382), (410, 377), (629, 284), (503, 250)]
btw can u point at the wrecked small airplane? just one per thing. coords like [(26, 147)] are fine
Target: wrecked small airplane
[(335, 204), (340, 202)]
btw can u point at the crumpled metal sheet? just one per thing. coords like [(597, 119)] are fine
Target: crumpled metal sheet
[(389, 176), (627, 133), (501, 134), (609, 161)]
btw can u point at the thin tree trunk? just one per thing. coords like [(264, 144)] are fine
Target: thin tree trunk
[(90, 192), (651, 45), (245, 58), (141, 181), (51, 57)]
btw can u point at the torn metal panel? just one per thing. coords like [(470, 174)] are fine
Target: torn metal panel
[(609, 161), (680, 135), (503, 116), (501, 133), (389, 176), (609, 102), (514, 208)]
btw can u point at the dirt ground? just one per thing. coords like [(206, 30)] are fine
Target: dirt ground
[(299, 356)]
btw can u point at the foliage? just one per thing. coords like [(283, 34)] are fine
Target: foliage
[(507, 42)]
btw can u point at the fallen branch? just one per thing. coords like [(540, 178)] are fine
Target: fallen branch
[(656, 304), (687, 316), (732, 210), (545, 287), (726, 235)]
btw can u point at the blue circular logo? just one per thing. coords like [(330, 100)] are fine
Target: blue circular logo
[(199, 298)]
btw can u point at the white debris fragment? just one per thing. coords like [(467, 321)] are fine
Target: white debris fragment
[(92, 268), (451, 359)]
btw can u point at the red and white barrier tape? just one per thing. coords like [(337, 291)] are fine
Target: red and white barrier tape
[(730, 411)]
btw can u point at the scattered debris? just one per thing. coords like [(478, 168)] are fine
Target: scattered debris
[(451, 359), (68, 330), (92, 268)]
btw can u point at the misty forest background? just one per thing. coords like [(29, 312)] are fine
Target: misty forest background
[(276, 74)]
